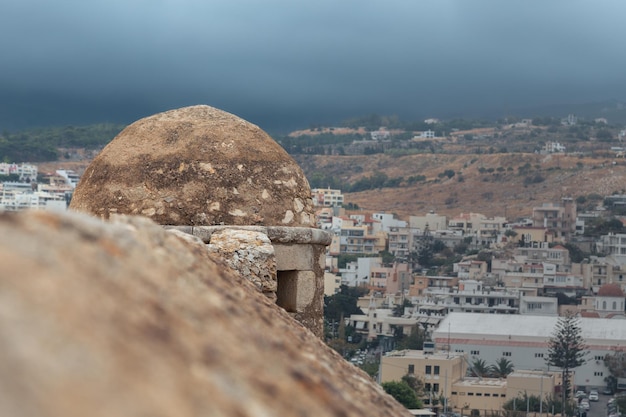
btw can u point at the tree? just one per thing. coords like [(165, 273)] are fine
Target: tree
[(343, 304), (403, 393), (501, 368), (616, 363), (479, 368), (566, 350), (398, 310), (416, 384), (576, 254), (414, 341)]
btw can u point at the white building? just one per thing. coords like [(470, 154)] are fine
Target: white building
[(387, 221), (553, 147), (26, 172), (471, 296), (381, 322), (358, 273), (539, 306), (326, 197), (613, 244), (70, 176), (523, 339)]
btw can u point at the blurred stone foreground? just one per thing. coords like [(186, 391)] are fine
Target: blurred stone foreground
[(120, 316)]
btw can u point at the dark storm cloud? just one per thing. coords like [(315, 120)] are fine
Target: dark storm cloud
[(284, 63)]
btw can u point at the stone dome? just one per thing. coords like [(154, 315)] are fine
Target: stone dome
[(610, 290), (196, 166)]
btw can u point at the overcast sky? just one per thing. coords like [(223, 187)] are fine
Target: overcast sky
[(291, 63)]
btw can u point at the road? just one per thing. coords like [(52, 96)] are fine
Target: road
[(598, 408)]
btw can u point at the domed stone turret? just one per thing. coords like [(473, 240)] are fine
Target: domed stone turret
[(196, 166), (205, 172)]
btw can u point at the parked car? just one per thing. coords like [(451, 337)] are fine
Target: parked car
[(593, 396), (608, 391), (585, 404), (581, 394)]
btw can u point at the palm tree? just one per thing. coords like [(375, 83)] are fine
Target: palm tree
[(479, 368), (501, 368)]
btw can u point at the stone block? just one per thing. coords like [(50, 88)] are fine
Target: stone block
[(295, 257)]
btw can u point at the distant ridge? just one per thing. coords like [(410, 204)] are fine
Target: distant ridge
[(613, 110)]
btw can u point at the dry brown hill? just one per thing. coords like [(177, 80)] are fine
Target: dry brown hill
[(493, 184)]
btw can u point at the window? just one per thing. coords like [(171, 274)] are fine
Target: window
[(506, 353), (428, 369), (475, 352), (411, 369), (538, 355), (470, 393), (479, 394), (286, 291), (436, 370), (435, 387), (453, 392), (598, 357), (488, 395), (598, 373)]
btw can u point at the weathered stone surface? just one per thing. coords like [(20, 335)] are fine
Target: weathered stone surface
[(196, 166), (249, 253), (127, 319)]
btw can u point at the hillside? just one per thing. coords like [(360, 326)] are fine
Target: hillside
[(493, 184)]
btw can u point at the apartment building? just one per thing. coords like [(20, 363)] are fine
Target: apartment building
[(529, 236), (326, 197), (430, 221), (470, 269), (557, 255), (471, 296), (558, 218), (613, 244), (485, 230), (400, 241), (380, 323), (357, 273), (25, 172), (358, 239)]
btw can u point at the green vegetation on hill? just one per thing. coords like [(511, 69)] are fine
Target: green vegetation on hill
[(42, 144)]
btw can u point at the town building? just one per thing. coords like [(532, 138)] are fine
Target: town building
[(470, 269), (558, 218), (524, 340), (326, 197), (444, 374), (24, 172), (609, 302), (613, 244), (553, 147), (472, 296), (430, 221), (378, 322)]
